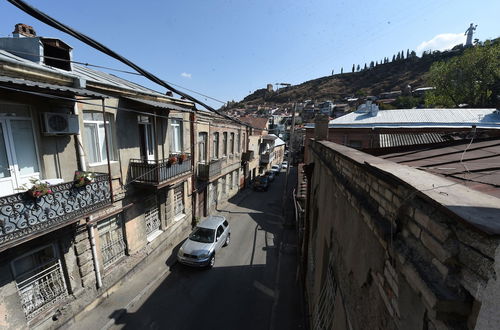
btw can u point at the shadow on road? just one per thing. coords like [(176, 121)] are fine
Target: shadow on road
[(249, 296)]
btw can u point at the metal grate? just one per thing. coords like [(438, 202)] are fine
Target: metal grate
[(179, 199), (111, 240), (152, 216), (42, 289), (323, 314)]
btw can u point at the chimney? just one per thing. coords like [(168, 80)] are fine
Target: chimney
[(321, 127), (169, 93), (22, 30)]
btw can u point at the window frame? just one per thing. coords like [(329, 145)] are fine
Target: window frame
[(224, 144), (108, 129), (176, 140), (231, 143), (215, 145), (182, 213)]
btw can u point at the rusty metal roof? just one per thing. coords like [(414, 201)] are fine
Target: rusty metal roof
[(475, 164)]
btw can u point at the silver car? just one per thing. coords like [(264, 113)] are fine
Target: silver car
[(207, 238)]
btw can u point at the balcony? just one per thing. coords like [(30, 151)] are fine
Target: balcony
[(23, 216), (267, 157), (208, 171), (247, 156), (159, 172)]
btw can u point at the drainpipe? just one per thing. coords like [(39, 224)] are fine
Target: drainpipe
[(194, 191), (90, 227), (79, 145), (106, 140)]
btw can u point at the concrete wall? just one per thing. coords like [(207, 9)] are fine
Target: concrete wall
[(393, 247)]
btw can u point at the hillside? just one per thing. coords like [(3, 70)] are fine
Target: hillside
[(382, 78)]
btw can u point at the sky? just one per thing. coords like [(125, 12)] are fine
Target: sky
[(227, 49)]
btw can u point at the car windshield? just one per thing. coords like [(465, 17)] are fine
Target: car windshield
[(202, 235)]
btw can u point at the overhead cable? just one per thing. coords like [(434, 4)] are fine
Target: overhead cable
[(107, 68)]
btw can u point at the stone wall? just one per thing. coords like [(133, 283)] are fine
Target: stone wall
[(397, 248)]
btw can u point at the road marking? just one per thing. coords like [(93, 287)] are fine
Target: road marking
[(263, 288)]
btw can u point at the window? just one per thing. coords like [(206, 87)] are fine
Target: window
[(179, 200), (111, 242), (152, 217), (202, 146), (231, 143), (175, 135), (220, 230), (215, 148), (238, 145), (224, 144), (225, 223), (39, 280), (94, 136), (243, 143)]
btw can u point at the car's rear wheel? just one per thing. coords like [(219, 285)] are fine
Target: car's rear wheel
[(228, 240), (211, 262)]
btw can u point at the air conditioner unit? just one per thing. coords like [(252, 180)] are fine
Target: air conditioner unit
[(60, 123)]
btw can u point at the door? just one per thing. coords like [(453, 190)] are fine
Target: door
[(146, 137), (18, 154)]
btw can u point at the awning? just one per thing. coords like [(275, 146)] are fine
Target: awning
[(162, 105), (59, 88)]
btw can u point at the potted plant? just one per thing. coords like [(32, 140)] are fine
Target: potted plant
[(172, 159), (83, 178), (37, 189), (182, 158)]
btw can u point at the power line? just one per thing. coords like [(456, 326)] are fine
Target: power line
[(107, 68), (41, 16)]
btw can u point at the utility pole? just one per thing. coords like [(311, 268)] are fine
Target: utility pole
[(290, 152)]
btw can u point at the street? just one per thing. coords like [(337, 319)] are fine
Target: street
[(252, 285)]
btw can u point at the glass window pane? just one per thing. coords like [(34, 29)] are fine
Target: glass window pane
[(102, 143), (4, 162), (24, 143), (90, 135)]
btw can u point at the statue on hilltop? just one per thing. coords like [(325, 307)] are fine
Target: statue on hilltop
[(469, 33)]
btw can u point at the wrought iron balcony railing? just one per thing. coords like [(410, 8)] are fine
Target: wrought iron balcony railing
[(267, 157), (23, 216), (158, 172), (208, 171)]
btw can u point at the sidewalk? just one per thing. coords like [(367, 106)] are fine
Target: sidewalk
[(120, 298)]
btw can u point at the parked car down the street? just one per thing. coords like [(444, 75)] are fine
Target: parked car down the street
[(261, 183), (206, 239), (284, 165), (270, 176), (276, 169)]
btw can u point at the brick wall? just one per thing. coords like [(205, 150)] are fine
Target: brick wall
[(404, 248)]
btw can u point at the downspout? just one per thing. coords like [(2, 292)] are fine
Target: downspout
[(107, 150), (90, 227), (194, 190), (79, 145)]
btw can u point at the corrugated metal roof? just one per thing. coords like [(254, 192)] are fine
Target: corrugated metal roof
[(398, 139), (29, 83), (162, 105), (484, 118), (476, 165), (82, 72)]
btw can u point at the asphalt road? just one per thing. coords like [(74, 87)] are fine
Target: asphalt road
[(252, 285)]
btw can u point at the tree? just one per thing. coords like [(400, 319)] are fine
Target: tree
[(357, 68), (413, 54), (398, 57), (472, 78), (376, 63), (353, 68), (341, 70), (372, 65), (393, 58), (366, 67), (408, 53)]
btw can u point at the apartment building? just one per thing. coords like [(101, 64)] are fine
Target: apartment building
[(96, 177), (221, 144)]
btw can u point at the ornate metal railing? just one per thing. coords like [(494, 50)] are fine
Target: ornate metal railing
[(267, 157), (22, 215), (157, 172), (207, 171)]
